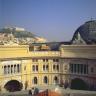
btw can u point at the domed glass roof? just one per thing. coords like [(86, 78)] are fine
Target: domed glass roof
[(87, 31)]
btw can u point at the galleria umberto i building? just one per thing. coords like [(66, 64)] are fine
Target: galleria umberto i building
[(72, 64)]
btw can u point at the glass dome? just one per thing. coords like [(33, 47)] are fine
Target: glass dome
[(87, 31)]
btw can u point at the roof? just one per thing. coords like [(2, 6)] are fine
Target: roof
[(54, 46)]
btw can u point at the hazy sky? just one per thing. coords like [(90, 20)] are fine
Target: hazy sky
[(55, 20)]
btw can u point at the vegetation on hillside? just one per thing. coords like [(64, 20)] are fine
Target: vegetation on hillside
[(18, 34)]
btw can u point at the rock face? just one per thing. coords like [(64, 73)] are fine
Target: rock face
[(86, 33)]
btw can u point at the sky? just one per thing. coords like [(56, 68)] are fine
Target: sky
[(55, 20)]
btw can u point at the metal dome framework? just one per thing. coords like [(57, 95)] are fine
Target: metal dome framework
[(87, 32)]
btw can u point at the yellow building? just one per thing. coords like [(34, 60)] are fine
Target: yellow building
[(79, 66), (69, 64), (23, 69), (30, 68)]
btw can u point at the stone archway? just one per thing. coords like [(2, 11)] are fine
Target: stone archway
[(78, 84), (13, 85)]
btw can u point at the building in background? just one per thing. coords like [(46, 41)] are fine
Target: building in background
[(15, 28), (70, 64)]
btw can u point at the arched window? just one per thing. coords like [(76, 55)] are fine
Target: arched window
[(44, 68), (18, 68), (35, 80), (56, 80), (33, 67), (54, 67), (36, 67), (57, 67), (45, 80), (47, 67)]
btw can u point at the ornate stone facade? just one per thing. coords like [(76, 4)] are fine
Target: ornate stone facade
[(45, 68)]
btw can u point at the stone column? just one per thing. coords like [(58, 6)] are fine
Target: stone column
[(9, 71), (14, 68)]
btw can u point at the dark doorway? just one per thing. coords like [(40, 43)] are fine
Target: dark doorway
[(78, 84), (13, 85)]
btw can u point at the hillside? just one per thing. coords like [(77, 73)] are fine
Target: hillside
[(17, 34)]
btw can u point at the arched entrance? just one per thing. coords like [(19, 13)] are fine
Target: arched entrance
[(13, 85), (78, 84)]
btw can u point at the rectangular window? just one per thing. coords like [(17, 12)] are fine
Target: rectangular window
[(74, 68), (36, 67), (79, 68), (35, 60), (55, 60), (84, 69), (92, 69), (71, 68), (45, 67), (33, 68), (45, 60), (55, 67)]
